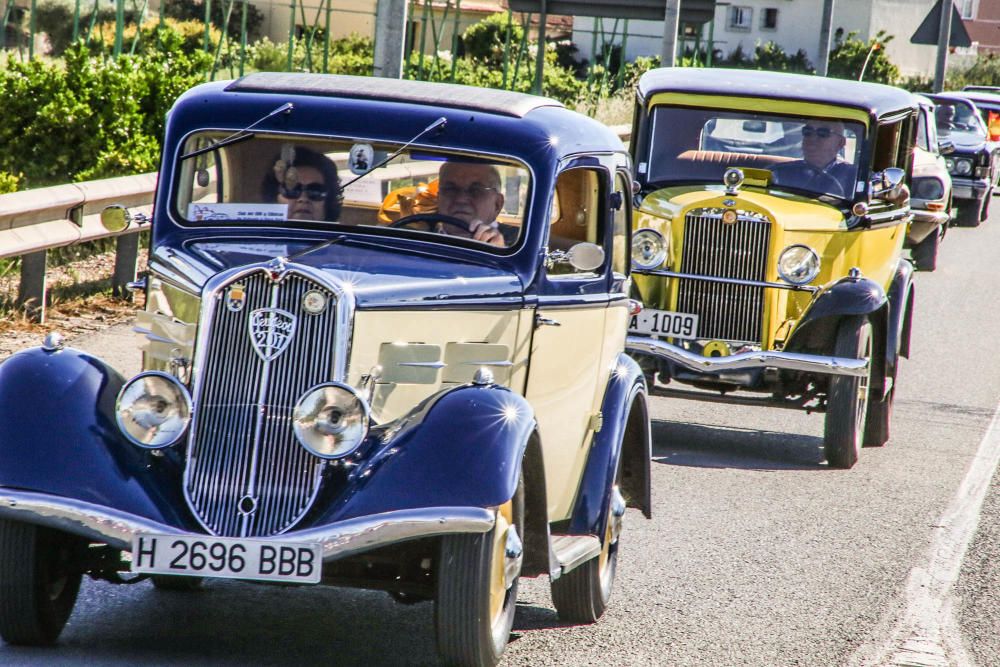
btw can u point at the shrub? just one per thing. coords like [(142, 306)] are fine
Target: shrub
[(983, 71), (849, 54)]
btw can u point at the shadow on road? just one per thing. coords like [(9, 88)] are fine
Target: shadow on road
[(704, 446)]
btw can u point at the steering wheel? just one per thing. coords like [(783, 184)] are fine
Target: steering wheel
[(825, 181), (432, 218)]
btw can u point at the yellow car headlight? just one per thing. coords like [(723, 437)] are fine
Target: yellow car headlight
[(331, 420), (153, 410), (798, 264), (649, 249)]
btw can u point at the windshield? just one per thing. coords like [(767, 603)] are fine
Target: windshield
[(301, 181), (815, 155), (958, 121)]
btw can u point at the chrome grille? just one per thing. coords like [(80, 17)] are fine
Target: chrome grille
[(247, 475), (738, 250)]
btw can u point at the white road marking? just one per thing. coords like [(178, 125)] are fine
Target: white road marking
[(928, 634)]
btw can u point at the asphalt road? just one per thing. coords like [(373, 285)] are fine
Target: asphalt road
[(758, 553)]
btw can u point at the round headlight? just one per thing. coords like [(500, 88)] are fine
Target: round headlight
[(153, 410), (798, 264), (949, 164), (649, 249), (963, 167), (331, 420), (927, 188)]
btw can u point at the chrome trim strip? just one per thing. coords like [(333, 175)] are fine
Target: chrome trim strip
[(422, 364), (662, 273), (338, 540), (789, 361)]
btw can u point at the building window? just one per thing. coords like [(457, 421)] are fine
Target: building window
[(967, 8), (740, 18), (769, 18)]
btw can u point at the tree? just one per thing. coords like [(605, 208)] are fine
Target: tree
[(851, 57)]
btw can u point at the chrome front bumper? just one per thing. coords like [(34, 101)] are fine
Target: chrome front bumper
[(789, 361), (344, 538)]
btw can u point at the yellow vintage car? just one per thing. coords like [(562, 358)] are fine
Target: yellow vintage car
[(770, 218)]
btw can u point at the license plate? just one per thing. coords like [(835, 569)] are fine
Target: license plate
[(230, 558), (962, 192), (664, 323)]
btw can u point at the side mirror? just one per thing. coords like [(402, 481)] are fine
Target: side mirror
[(946, 147), (582, 257), (888, 184), (115, 218)]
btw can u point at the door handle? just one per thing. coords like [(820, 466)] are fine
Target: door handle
[(545, 321)]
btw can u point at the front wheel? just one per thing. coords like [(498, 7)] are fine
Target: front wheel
[(925, 253), (847, 399), (477, 577), (38, 582), (969, 213)]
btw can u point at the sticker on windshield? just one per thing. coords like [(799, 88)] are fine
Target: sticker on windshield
[(362, 156), (248, 211)]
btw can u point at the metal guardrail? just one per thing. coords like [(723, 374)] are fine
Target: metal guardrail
[(35, 221)]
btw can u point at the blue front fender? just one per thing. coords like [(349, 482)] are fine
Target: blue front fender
[(592, 501), (58, 436), (462, 447)]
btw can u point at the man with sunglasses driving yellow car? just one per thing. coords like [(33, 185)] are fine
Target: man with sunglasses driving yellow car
[(821, 168)]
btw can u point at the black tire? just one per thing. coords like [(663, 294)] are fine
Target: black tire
[(474, 611), (877, 421), (969, 212), (166, 582), (582, 595), (984, 212), (38, 582), (847, 399), (925, 253)]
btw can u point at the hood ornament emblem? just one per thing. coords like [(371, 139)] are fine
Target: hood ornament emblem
[(271, 330)]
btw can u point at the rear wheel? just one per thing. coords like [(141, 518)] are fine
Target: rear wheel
[(984, 212), (847, 400), (38, 582), (582, 595), (925, 253), (477, 577), (877, 421)]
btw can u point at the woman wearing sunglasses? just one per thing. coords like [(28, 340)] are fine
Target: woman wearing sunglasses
[(307, 182)]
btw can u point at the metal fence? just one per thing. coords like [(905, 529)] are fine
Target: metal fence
[(34, 221)]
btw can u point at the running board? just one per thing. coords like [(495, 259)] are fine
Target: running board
[(574, 550)]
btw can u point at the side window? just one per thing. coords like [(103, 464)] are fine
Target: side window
[(578, 213), (621, 222), (887, 145)]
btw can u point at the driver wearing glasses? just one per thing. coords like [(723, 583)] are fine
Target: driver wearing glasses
[(306, 181), (821, 167), (471, 193)]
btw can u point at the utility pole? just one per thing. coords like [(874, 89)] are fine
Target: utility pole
[(825, 28), (390, 38), (671, 22), (944, 34)]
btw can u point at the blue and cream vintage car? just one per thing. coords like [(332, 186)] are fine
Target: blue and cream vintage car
[(352, 374)]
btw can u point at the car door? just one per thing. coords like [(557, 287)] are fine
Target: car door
[(572, 349)]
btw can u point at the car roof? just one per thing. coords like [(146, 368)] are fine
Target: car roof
[(977, 96), (954, 96), (503, 102), (875, 98)]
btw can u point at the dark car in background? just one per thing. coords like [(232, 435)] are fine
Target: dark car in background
[(973, 164), (930, 190)]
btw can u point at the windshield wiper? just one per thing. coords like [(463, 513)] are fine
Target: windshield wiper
[(239, 135), (438, 125)]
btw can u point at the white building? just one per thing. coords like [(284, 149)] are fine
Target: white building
[(792, 24)]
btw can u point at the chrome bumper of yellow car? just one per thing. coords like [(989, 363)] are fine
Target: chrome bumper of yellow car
[(790, 361)]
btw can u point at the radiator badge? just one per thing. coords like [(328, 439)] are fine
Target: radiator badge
[(236, 298), (271, 330)]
